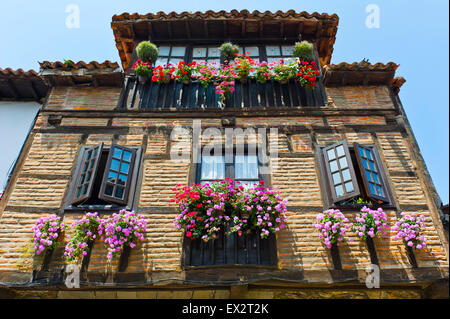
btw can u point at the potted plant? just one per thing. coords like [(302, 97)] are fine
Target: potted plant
[(263, 72), (243, 65), (307, 74), (163, 74), (225, 82), (332, 226), (205, 73), (183, 72), (46, 233), (229, 51), (410, 228), (143, 70), (283, 72), (147, 52), (303, 50), (370, 223)]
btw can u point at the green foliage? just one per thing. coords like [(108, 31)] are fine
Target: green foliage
[(359, 200), (69, 63), (303, 50), (147, 51), (229, 51)]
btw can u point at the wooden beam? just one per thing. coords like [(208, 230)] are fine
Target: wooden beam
[(169, 28), (188, 29), (300, 29), (151, 35), (261, 28), (225, 28), (34, 90), (243, 28), (205, 27), (281, 29), (13, 89)]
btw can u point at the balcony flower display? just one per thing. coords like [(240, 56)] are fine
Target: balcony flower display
[(332, 226), (370, 223), (243, 66), (410, 228), (307, 74), (46, 232), (183, 72), (205, 73), (86, 230), (206, 209), (283, 72), (143, 70), (225, 81), (263, 72), (122, 229), (163, 74)]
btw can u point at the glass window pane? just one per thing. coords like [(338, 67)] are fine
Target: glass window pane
[(365, 163), (82, 179), (339, 190), (372, 188), (112, 177), (346, 175), (115, 165), (88, 177), (372, 166), (337, 178), (119, 192), (287, 50), (84, 191), (85, 167), (343, 162), (214, 62), (95, 152), (252, 51), (78, 192), (340, 151), (246, 166), (163, 51), (334, 166), (175, 61), (91, 164), (126, 156), (178, 51), (248, 184), (89, 154), (161, 61), (349, 187), (288, 60), (122, 179), (117, 153), (380, 190), (109, 189), (273, 50), (331, 154), (369, 154), (199, 52), (369, 176), (375, 177), (270, 60), (361, 152), (213, 167), (214, 52), (124, 168)]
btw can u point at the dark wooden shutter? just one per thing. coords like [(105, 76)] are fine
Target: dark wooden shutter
[(118, 175), (86, 173), (371, 174), (340, 172)]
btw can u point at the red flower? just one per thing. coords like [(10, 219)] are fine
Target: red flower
[(188, 234)]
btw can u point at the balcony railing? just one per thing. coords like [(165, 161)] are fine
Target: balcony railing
[(176, 95)]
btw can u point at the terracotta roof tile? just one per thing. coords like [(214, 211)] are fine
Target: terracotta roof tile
[(18, 72), (46, 65), (362, 66)]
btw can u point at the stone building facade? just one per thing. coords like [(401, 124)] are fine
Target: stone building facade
[(93, 103)]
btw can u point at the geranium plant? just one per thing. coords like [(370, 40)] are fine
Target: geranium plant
[(243, 66), (163, 74), (205, 73), (122, 229), (86, 230), (46, 232), (206, 209), (183, 72), (263, 72), (332, 226), (225, 82), (283, 72), (142, 68), (307, 74), (410, 228), (370, 223)]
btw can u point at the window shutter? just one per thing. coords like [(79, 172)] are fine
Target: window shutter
[(87, 172), (370, 171), (340, 172), (118, 175)]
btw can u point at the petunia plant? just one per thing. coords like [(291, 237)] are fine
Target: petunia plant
[(370, 223), (332, 226), (122, 229), (410, 228), (46, 232), (86, 230)]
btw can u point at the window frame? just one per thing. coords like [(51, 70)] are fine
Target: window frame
[(326, 187), (113, 207)]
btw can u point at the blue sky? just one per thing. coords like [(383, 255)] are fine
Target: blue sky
[(413, 34)]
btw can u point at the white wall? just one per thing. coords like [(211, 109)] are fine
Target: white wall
[(15, 121)]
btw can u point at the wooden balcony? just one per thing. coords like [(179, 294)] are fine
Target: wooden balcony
[(179, 96)]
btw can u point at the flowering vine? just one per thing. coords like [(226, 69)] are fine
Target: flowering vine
[(410, 229), (370, 223), (46, 232)]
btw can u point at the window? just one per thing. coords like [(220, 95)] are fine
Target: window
[(276, 52), (353, 172), (171, 54), (105, 178), (206, 54), (251, 51), (230, 249)]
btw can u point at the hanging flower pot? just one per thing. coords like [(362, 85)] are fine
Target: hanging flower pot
[(167, 77), (244, 79), (187, 81), (143, 79)]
